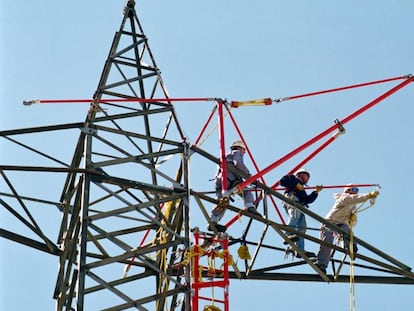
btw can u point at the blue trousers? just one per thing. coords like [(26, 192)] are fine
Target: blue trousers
[(297, 221)]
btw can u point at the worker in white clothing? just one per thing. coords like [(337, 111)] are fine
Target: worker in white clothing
[(340, 215)]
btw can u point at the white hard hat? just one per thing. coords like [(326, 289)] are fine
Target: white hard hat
[(351, 187), (302, 170), (238, 143)]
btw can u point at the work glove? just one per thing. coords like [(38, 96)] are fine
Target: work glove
[(318, 188), (373, 194), (300, 187)]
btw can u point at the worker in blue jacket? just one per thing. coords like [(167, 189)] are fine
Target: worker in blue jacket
[(295, 190)]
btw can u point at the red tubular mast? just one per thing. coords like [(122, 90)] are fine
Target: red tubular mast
[(223, 163)]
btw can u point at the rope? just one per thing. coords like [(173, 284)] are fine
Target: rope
[(190, 254), (204, 139), (222, 254), (211, 266), (352, 222), (371, 203), (351, 273), (129, 265)]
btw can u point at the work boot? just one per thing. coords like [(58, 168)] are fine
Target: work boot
[(290, 251), (323, 269), (307, 254), (218, 209), (292, 237)]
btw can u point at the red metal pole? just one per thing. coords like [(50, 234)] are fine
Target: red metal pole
[(223, 163), (226, 274), (196, 267), (323, 134), (114, 100), (336, 186), (205, 125), (342, 88)]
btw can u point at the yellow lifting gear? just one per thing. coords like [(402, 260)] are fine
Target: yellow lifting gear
[(254, 102), (211, 308), (243, 252)]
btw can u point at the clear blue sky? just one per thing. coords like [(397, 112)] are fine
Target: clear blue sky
[(236, 50)]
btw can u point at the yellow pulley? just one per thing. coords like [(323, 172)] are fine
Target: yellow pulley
[(243, 252)]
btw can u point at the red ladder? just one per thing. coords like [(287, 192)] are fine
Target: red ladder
[(202, 272)]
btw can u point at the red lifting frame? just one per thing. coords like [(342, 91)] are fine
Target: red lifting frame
[(322, 134), (198, 282), (260, 174)]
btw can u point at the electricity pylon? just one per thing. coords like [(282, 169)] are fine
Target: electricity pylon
[(121, 198), (124, 208), (116, 210)]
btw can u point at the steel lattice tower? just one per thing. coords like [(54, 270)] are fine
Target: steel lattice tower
[(121, 196), (126, 198)]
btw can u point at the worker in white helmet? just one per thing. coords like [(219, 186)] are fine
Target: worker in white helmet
[(341, 216), (233, 158), (295, 191)]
